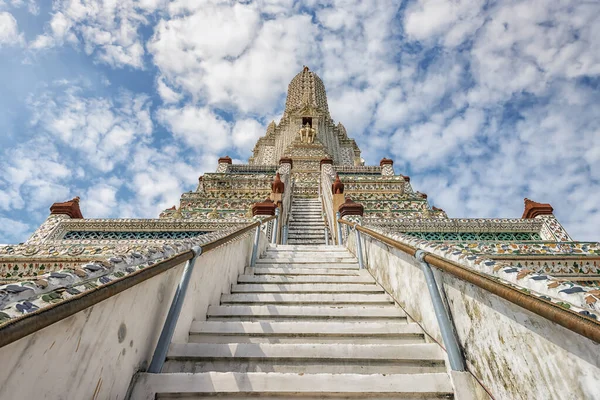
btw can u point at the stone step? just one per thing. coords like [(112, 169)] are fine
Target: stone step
[(305, 357), (398, 332), (307, 288), (306, 230), (307, 235), (307, 260), (295, 279), (291, 271), (304, 253), (307, 242), (278, 386), (306, 313), (322, 248), (270, 264), (306, 298)]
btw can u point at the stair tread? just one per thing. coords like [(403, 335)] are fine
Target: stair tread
[(277, 279), (326, 265), (316, 298), (291, 383), (314, 287), (295, 271), (304, 328), (339, 351), (356, 311)]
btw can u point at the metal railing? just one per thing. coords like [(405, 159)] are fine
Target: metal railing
[(571, 320), (327, 200), (166, 335), (286, 206)]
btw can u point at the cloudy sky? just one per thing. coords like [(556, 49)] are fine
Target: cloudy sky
[(125, 103)]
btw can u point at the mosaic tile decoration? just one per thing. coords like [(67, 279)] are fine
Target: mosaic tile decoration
[(476, 236), (116, 235), (24, 297), (571, 296)]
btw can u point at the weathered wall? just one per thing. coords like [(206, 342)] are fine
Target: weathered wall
[(94, 354), (515, 353)]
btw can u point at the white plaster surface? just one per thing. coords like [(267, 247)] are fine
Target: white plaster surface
[(516, 354), (94, 353)]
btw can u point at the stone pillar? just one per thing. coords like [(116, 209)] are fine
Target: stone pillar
[(325, 161), (224, 162), (552, 229), (352, 212), (387, 166), (285, 165)]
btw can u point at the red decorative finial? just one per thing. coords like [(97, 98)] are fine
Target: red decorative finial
[(225, 160), (338, 186), (386, 161), (70, 208), (266, 207), (351, 208), (533, 209)]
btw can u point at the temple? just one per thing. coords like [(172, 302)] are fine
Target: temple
[(302, 274)]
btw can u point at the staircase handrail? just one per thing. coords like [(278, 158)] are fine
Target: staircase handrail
[(27, 324), (327, 200), (287, 199), (571, 320)]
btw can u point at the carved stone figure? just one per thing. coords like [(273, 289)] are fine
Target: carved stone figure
[(337, 187), (307, 134), (277, 186)]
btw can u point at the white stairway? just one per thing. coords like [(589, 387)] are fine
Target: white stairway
[(305, 323), (306, 222)]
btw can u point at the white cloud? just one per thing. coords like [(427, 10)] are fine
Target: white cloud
[(198, 127), (9, 30), (484, 103), (108, 30), (14, 231), (102, 129), (245, 133), (228, 57)]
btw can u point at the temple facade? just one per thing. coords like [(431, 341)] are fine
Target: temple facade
[(308, 173)]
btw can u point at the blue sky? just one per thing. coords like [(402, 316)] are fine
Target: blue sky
[(126, 103)]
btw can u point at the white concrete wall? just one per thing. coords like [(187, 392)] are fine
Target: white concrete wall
[(94, 354), (516, 354)]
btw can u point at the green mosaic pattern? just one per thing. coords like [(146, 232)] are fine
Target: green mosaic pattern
[(477, 236), (110, 235)]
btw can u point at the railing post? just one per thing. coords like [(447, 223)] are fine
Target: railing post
[(339, 228), (455, 357), (285, 235), (166, 335), (326, 237), (255, 245), (275, 227), (359, 248)]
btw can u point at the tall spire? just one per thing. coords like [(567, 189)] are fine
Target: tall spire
[(306, 89)]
